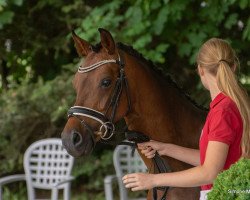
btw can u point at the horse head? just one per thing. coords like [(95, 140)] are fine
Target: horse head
[(101, 95)]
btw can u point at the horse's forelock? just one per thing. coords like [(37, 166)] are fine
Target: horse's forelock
[(97, 47)]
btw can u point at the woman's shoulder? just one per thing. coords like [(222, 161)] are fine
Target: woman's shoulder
[(228, 110), (228, 105)]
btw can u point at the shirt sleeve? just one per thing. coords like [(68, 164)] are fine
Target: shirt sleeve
[(221, 127)]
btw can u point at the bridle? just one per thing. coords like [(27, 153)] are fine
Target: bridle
[(107, 127)]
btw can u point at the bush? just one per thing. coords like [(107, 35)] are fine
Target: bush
[(31, 112), (90, 172), (233, 184)]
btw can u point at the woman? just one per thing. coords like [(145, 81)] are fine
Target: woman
[(225, 136)]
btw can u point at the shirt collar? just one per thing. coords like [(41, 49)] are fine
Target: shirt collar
[(217, 99)]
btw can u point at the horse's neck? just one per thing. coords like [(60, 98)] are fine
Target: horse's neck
[(160, 110)]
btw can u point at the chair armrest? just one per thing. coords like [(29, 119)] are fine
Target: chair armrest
[(71, 178), (108, 186), (12, 178), (109, 179), (9, 179)]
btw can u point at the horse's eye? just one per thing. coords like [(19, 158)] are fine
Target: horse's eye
[(105, 83)]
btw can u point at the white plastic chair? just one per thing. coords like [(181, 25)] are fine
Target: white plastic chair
[(124, 163), (48, 166)]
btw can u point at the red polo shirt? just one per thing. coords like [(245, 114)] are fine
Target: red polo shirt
[(223, 124)]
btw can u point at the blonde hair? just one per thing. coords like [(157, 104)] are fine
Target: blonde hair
[(218, 57)]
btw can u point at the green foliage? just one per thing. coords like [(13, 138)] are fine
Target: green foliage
[(34, 39), (137, 16), (6, 16), (29, 112), (16, 192), (234, 183), (167, 32), (87, 196), (170, 33), (93, 169)]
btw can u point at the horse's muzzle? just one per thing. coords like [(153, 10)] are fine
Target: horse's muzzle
[(76, 143)]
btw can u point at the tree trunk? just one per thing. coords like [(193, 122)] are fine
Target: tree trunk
[(4, 73)]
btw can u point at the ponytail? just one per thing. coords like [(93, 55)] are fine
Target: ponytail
[(228, 84)]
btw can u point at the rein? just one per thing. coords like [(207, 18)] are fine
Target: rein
[(107, 127), (159, 164)]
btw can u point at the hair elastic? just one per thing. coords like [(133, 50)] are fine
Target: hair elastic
[(222, 60)]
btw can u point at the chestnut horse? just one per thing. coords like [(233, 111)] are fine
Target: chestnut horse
[(150, 103)]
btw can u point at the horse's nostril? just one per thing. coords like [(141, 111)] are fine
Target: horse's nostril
[(76, 139)]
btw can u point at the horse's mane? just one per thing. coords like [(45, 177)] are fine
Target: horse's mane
[(130, 50)]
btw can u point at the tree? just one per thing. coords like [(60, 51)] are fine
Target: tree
[(169, 33)]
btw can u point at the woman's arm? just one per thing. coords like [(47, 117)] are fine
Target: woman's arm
[(216, 155), (187, 155)]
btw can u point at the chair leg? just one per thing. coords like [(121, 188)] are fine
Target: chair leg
[(66, 192), (31, 192), (122, 190), (108, 191), (1, 193), (54, 195)]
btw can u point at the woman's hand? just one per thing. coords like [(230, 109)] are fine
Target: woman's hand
[(149, 148), (139, 181)]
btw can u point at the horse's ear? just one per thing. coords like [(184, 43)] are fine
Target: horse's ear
[(107, 41), (82, 46)]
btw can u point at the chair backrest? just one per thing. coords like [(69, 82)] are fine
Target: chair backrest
[(125, 163), (46, 163)]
